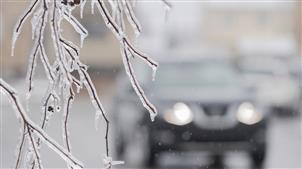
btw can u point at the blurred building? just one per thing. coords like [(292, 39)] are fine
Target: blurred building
[(299, 25), (246, 27), (267, 24)]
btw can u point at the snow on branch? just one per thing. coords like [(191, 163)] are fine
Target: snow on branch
[(65, 65)]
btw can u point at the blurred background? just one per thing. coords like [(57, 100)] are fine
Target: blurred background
[(228, 88)]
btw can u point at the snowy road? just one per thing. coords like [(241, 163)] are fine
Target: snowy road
[(88, 144)]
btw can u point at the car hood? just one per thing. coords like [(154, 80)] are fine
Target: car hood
[(203, 95)]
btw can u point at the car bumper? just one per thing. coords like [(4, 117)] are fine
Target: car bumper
[(164, 136)]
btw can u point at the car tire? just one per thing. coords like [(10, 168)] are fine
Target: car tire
[(258, 156)]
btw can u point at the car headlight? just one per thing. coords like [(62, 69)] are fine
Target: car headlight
[(248, 114), (180, 114)]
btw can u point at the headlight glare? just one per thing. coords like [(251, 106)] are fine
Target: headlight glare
[(248, 114), (180, 114)]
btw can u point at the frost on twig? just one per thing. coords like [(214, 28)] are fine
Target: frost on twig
[(66, 72)]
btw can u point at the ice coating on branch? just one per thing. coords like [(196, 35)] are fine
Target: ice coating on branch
[(132, 18), (29, 157), (77, 26), (109, 21), (35, 21), (20, 24), (136, 86), (48, 69), (127, 49), (62, 73)]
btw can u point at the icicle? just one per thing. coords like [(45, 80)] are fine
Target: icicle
[(35, 21), (14, 39), (98, 112), (28, 95), (96, 120), (69, 12), (82, 40), (2, 91), (108, 162), (78, 88), (92, 6), (82, 7), (167, 9), (154, 70)]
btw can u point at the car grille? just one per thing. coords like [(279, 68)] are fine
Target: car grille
[(215, 110)]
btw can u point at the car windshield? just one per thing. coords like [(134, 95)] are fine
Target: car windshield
[(200, 74)]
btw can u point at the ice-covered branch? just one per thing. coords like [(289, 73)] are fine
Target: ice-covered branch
[(20, 23), (62, 69), (125, 45), (67, 105), (20, 147), (32, 128)]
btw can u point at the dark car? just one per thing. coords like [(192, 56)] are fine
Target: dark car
[(203, 105)]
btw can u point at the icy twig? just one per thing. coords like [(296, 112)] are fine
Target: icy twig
[(76, 25), (131, 17), (20, 147), (34, 146), (125, 45), (85, 77), (19, 26), (60, 73), (35, 129), (137, 88), (55, 22), (37, 46), (67, 106)]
